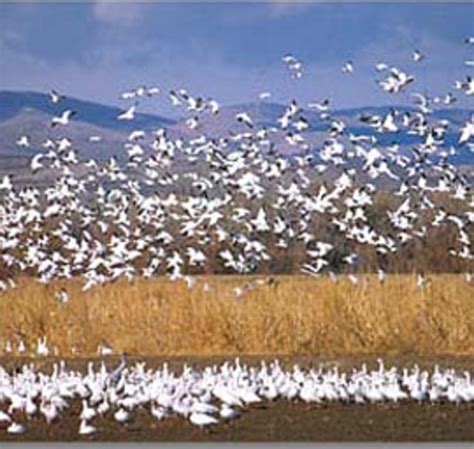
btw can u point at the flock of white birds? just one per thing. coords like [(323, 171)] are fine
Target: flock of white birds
[(179, 204), (214, 394)]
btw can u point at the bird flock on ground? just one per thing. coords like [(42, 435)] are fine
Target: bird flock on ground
[(181, 206), (211, 395)]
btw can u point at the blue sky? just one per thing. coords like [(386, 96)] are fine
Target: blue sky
[(230, 51)]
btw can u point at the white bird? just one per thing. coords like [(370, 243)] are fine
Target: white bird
[(213, 106), (115, 375), (321, 106), (49, 411), (128, 95), (6, 183), (467, 131), (104, 350), (227, 412), (175, 99), (350, 259), (381, 275), (129, 114), (417, 56), (348, 67), (63, 119), (192, 122), (294, 65), (62, 296), (158, 412), (55, 97), (245, 118), (396, 81), (4, 417), (422, 102), (381, 66), (16, 428), (87, 412), (85, 428), (137, 134), (42, 347), (23, 141), (354, 280), (121, 415), (420, 280), (35, 163), (153, 90), (202, 419)]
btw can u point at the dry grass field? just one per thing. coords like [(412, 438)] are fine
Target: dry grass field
[(293, 316)]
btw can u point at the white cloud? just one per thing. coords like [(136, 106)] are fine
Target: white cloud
[(117, 13), (108, 69), (285, 8)]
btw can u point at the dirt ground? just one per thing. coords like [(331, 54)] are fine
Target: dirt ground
[(279, 420)]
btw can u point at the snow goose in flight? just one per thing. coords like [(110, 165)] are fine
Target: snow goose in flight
[(213, 106), (396, 81), (63, 119), (136, 134), (422, 102), (35, 163), (314, 268), (467, 131), (6, 183), (294, 65), (153, 90), (55, 97), (301, 124), (348, 67), (23, 141), (417, 56), (128, 95), (192, 122), (447, 99), (466, 86), (381, 66), (175, 98), (321, 106), (244, 117), (129, 114)]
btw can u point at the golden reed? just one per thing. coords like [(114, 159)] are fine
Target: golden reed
[(293, 315)]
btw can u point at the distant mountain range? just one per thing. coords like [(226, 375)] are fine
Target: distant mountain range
[(30, 113), (13, 103)]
